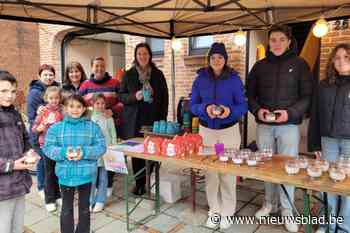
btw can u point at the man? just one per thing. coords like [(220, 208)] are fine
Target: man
[(279, 91)]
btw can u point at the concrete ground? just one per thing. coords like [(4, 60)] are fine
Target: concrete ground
[(173, 218)]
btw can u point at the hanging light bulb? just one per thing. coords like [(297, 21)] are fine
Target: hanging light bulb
[(176, 44), (321, 28), (239, 38)]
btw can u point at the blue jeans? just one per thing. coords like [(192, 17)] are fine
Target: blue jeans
[(99, 194), (332, 148), (40, 170), (283, 139)]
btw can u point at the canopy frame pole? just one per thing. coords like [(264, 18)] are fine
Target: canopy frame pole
[(134, 12)]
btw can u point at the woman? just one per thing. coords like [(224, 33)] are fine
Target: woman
[(101, 82), (74, 76), (279, 94), (46, 78), (329, 127), (140, 108), (219, 87)]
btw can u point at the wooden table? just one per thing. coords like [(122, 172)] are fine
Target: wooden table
[(271, 171)]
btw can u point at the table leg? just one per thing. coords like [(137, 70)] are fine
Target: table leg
[(326, 210), (193, 189), (148, 178), (126, 196), (308, 227), (289, 200), (157, 165)]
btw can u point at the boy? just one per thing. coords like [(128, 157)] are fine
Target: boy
[(15, 180)]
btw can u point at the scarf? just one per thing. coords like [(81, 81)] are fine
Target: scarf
[(144, 78)]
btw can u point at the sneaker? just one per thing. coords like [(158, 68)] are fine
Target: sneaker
[(51, 207), (98, 207), (321, 230), (213, 221), (59, 201), (265, 210), (41, 194), (109, 192), (290, 225), (224, 223)]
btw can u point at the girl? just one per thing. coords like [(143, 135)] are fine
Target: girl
[(99, 196), (49, 115), (76, 144), (329, 128), (219, 86)]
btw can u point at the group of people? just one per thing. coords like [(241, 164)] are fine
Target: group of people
[(282, 86), (71, 127)]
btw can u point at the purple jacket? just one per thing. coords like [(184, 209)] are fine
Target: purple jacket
[(14, 141)]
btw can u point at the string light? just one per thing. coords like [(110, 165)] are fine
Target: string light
[(176, 44), (240, 38), (321, 28)]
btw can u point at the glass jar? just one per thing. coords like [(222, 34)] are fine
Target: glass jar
[(337, 174), (314, 171), (303, 162), (291, 167)]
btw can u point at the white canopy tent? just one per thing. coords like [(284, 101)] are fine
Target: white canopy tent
[(169, 18)]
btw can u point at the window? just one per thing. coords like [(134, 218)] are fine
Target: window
[(157, 46), (200, 44)]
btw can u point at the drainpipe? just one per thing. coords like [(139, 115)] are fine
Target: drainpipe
[(245, 120)]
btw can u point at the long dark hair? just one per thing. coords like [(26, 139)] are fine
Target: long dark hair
[(331, 72), (74, 65), (143, 45)]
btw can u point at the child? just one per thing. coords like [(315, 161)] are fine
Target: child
[(14, 177), (76, 144), (49, 115), (99, 196)]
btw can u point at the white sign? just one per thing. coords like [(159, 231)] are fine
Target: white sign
[(114, 161)]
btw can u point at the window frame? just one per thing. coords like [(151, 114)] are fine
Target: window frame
[(197, 51), (155, 53)]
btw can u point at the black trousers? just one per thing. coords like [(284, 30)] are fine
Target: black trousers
[(67, 213), (137, 165), (110, 176), (51, 187)]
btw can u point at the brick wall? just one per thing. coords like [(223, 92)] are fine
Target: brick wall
[(329, 41), (50, 39), (185, 65), (19, 46)]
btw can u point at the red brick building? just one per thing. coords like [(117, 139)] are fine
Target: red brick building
[(19, 46)]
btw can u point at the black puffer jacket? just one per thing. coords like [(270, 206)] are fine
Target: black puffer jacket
[(14, 142), (280, 82), (330, 113)]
